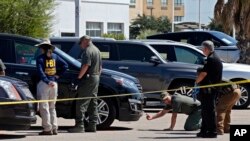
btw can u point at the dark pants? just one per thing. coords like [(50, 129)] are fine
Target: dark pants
[(208, 114), (87, 88)]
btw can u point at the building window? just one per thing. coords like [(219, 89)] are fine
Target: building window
[(149, 3), (164, 3), (132, 3), (178, 18), (67, 34), (178, 2), (94, 29), (116, 28)]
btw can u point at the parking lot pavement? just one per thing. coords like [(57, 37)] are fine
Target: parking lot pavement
[(141, 130)]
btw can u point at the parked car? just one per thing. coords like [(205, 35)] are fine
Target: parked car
[(139, 60), (225, 45), (17, 116), (183, 52), (19, 55)]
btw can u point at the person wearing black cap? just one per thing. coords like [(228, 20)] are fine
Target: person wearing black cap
[(47, 88), (180, 104), (211, 73), (88, 81)]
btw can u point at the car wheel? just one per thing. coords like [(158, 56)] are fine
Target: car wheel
[(244, 100), (106, 113), (183, 89)]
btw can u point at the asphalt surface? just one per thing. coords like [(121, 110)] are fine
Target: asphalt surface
[(141, 130)]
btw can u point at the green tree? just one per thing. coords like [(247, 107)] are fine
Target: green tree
[(213, 25), (143, 23), (26, 17), (115, 36), (236, 13), (144, 33)]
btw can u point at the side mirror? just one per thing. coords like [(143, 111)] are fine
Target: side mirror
[(155, 60)]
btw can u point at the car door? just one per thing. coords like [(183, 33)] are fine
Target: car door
[(134, 59), (24, 65)]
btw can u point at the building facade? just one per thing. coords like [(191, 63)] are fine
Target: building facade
[(157, 8), (97, 17)]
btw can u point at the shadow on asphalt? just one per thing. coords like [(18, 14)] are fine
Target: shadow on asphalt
[(9, 136), (63, 129), (179, 133), (112, 128), (182, 137), (157, 130)]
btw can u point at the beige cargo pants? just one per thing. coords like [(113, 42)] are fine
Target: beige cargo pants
[(223, 108), (47, 109)]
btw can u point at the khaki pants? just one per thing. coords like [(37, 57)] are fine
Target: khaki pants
[(223, 108), (47, 109)]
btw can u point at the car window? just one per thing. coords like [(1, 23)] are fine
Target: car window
[(6, 50), (226, 39), (105, 50), (166, 51), (131, 52), (2, 92), (64, 46), (25, 53), (187, 55)]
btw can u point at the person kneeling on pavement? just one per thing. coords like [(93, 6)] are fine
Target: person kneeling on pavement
[(180, 104), (227, 97)]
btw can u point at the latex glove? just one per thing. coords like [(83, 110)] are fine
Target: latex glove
[(196, 91), (74, 84)]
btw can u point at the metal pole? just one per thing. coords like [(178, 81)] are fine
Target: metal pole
[(199, 14), (77, 17), (173, 15), (234, 31)]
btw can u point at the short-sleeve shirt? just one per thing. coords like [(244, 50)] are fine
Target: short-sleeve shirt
[(182, 104), (91, 56), (2, 66), (213, 67)]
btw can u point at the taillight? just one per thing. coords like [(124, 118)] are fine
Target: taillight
[(10, 90)]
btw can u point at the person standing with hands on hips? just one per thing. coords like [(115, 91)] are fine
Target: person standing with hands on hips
[(47, 88), (88, 82), (211, 73)]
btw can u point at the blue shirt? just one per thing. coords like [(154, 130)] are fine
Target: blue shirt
[(48, 67)]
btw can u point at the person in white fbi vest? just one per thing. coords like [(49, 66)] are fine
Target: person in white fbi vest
[(47, 88)]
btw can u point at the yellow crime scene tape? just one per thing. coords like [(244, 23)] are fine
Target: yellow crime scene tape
[(120, 95)]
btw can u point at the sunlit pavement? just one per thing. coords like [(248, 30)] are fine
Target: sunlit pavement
[(124, 131)]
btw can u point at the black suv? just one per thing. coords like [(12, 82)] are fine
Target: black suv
[(19, 53), (140, 60), (225, 45), (16, 116)]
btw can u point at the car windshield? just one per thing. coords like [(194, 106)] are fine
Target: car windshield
[(230, 41), (67, 57)]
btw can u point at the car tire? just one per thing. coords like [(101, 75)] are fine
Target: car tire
[(183, 88), (106, 113), (244, 100)]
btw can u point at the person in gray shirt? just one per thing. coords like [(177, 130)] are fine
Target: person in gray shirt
[(180, 104)]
